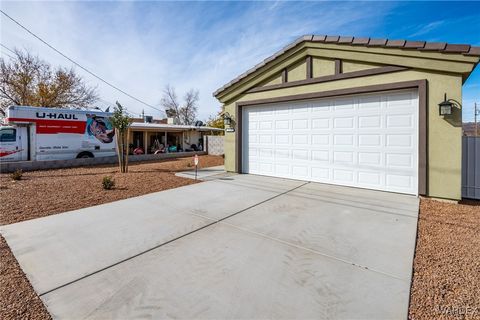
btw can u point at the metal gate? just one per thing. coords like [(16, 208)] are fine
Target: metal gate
[(471, 167)]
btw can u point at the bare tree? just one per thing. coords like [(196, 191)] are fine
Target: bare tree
[(183, 114), (27, 80), (188, 112), (170, 102)]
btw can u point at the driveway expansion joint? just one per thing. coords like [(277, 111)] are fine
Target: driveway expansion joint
[(169, 241)]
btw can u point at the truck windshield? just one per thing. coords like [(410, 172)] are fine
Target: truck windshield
[(8, 135)]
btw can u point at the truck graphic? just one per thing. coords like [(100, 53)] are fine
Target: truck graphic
[(33, 133)]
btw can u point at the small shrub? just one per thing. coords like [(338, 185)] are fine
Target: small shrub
[(16, 175), (189, 164), (108, 183)]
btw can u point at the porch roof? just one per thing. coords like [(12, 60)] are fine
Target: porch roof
[(169, 127)]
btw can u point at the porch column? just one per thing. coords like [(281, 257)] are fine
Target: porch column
[(183, 140), (145, 141), (166, 149)]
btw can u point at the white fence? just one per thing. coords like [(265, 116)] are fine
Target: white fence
[(214, 145), (471, 167)]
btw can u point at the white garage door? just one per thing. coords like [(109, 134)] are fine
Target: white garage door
[(368, 141)]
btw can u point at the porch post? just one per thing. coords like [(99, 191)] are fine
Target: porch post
[(166, 148), (145, 141), (183, 140)]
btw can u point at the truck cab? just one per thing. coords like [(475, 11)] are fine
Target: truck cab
[(14, 143)]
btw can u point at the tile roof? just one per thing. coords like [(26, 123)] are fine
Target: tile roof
[(464, 49)]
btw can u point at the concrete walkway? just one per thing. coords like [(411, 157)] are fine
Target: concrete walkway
[(241, 246), (202, 174)]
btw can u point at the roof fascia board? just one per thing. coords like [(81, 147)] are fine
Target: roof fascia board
[(397, 52), (426, 60), (261, 75)]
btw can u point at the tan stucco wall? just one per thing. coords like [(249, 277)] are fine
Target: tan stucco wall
[(323, 67), (297, 71), (277, 79), (350, 66), (444, 137)]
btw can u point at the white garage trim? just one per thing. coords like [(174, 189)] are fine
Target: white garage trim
[(344, 159)]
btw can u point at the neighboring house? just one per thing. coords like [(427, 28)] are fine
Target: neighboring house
[(150, 136), (350, 111), (471, 129)]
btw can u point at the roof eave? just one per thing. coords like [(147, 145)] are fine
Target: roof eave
[(440, 47)]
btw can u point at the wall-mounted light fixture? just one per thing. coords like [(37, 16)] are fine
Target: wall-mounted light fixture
[(445, 107), (227, 119)]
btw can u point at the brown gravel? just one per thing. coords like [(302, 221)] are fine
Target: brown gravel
[(17, 298), (43, 193), (446, 281)]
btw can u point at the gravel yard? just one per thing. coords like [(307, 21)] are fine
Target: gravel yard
[(446, 280), (43, 193), (446, 283)]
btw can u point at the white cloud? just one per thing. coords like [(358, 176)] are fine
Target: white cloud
[(141, 47), (424, 29)]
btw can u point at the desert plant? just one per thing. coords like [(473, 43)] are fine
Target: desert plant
[(16, 175), (121, 122), (108, 183)]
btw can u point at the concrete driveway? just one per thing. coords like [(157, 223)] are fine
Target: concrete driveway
[(238, 246)]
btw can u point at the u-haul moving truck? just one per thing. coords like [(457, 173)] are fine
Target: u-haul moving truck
[(32, 133)]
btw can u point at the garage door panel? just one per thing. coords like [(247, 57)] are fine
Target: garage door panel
[(343, 123), (370, 103), (300, 139), (368, 141), (370, 159), (370, 122), (344, 105), (299, 124), (399, 140), (369, 178)]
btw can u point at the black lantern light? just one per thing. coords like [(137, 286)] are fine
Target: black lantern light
[(227, 119), (445, 107)]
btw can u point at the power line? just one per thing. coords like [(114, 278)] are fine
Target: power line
[(8, 49), (102, 100), (4, 53), (79, 65)]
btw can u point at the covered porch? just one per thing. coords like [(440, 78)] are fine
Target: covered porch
[(151, 138)]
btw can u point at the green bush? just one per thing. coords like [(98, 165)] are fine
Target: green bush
[(16, 175), (108, 183)]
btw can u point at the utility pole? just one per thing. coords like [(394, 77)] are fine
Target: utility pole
[(143, 115), (477, 112)]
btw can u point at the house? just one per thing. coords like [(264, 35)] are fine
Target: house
[(154, 136), (351, 111)]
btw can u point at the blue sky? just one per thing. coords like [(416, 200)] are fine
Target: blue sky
[(142, 46)]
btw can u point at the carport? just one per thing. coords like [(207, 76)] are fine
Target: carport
[(378, 114)]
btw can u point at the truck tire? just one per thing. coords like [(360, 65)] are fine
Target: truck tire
[(84, 155)]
